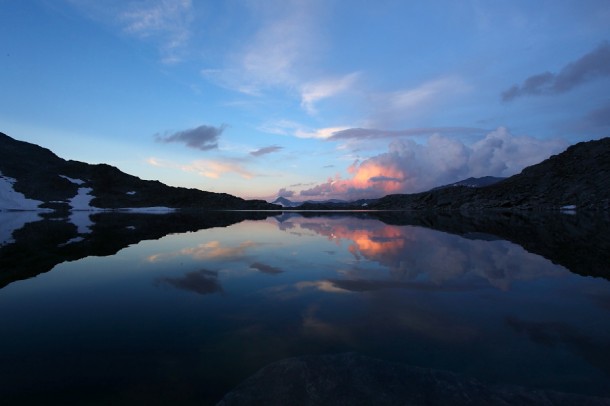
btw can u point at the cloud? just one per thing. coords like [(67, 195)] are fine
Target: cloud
[(275, 53), (214, 250), (268, 269), (322, 133), (409, 167), (389, 108), (590, 66), (283, 192), (365, 133), (203, 137), (202, 282), (322, 89), (209, 168), (214, 169), (266, 150)]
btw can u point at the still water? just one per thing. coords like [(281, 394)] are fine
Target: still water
[(155, 309)]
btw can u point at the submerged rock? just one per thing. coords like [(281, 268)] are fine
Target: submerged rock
[(352, 379)]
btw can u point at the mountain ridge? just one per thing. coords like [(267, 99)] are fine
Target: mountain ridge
[(58, 184)]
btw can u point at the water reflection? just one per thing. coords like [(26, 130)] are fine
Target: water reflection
[(143, 308), (413, 257), (202, 282)]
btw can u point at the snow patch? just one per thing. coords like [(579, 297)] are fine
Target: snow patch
[(12, 200), (11, 222), (72, 241), (82, 200), (82, 221), (75, 181)]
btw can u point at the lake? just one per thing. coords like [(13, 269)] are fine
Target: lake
[(180, 308)]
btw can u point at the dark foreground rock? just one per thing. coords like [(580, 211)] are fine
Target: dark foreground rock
[(352, 379)]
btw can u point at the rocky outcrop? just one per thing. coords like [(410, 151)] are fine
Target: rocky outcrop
[(577, 178), (352, 379)]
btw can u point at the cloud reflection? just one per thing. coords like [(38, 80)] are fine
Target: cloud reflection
[(212, 250), (418, 258), (264, 268), (202, 282)]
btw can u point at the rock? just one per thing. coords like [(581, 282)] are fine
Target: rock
[(352, 379)]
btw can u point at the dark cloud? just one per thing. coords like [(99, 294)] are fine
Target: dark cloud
[(384, 179), (283, 192), (202, 282), (369, 133), (590, 66), (370, 285), (203, 137), (264, 268), (266, 150)]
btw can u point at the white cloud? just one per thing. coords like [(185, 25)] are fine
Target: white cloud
[(294, 129), (315, 91), (409, 167), (321, 133)]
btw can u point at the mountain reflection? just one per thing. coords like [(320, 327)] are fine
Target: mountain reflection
[(166, 302)]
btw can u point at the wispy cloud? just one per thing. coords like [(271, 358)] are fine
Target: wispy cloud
[(590, 66), (366, 133), (165, 23), (294, 129), (272, 57), (266, 150), (216, 168), (322, 89), (210, 168), (389, 108), (203, 137)]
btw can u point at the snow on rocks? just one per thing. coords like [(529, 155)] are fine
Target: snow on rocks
[(13, 200), (75, 181), (82, 200), (11, 222)]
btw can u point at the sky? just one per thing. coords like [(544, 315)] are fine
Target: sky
[(306, 99)]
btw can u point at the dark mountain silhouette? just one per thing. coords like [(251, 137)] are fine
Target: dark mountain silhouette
[(41, 175), (576, 179), (473, 182)]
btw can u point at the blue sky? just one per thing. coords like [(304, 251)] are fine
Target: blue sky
[(306, 99)]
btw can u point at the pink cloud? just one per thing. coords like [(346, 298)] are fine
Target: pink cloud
[(409, 167)]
